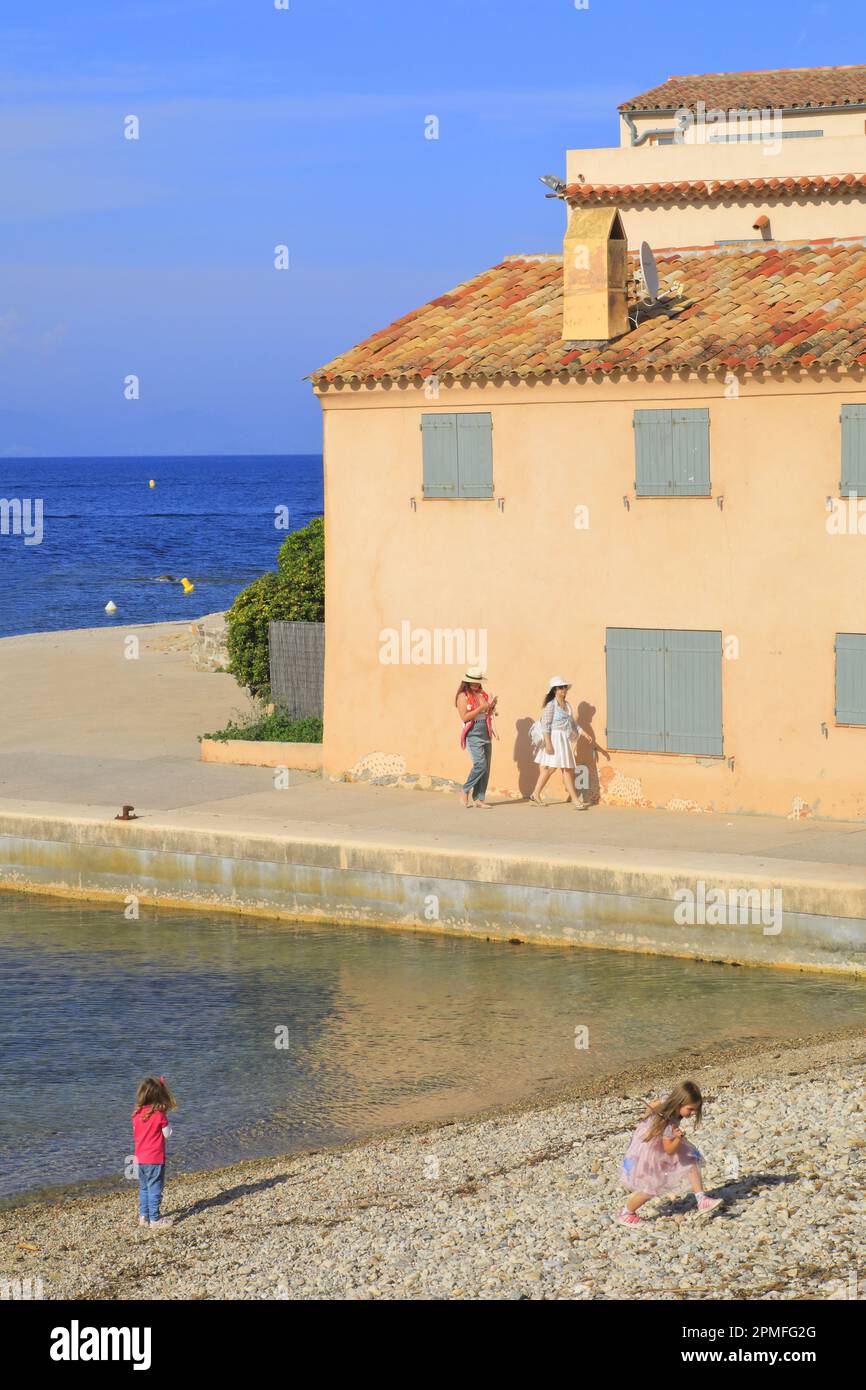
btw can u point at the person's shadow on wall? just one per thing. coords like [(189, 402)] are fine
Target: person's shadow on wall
[(524, 757), (586, 757)]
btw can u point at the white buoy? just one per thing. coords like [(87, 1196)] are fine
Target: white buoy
[(110, 607)]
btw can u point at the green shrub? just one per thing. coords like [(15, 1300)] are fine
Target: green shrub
[(301, 572), (247, 639), (295, 593), (278, 727)]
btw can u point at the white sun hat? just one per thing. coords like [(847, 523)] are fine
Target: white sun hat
[(474, 674), (557, 680)]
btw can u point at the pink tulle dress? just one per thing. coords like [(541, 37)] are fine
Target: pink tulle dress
[(647, 1168)]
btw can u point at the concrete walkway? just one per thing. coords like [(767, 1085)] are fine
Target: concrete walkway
[(80, 693), (86, 730), (180, 792)]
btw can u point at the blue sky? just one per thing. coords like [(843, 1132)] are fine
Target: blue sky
[(303, 127)]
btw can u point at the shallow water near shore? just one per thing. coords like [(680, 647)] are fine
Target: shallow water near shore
[(278, 1037)]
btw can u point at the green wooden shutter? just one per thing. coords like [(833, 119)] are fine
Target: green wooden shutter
[(672, 453), (475, 454), (850, 678), (853, 478), (690, 451), (664, 690), (693, 692), (635, 689), (652, 452), (439, 436)]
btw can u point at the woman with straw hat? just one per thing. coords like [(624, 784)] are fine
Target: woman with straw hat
[(476, 709), (559, 729)]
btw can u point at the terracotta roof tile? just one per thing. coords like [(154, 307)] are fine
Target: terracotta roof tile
[(785, 88), (765, 302), (713, 190)]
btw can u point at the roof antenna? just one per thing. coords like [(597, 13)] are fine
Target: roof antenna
[(649, 275), (553, 182), (649, 272)]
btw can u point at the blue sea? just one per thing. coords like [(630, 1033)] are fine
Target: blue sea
[(107, 535)]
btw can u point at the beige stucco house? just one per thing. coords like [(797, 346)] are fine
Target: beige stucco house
[(552, 468)]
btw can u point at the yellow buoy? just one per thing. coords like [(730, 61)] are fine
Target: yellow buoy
[(187, 587), (151, 483), (111, 606)]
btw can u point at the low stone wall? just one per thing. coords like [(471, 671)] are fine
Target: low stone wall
[(490, 893), (209, 637), (301, 757)]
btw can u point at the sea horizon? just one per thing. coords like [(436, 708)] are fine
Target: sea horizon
[(180, 454)]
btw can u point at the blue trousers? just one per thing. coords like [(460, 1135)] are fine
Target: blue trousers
[(480, 750), (151, 1179)]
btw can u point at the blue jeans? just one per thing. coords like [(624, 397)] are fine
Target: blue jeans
[(151, 1178), (480, 750)]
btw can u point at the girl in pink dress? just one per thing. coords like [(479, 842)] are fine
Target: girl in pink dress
[(660, 1159)]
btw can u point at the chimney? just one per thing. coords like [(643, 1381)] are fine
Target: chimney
[(762, 224), (594, 272)]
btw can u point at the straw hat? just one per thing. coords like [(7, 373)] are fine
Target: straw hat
[(475, 674)]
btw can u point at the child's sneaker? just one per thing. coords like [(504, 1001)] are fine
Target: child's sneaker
[(143, 1221), (708, 1204), (629, 1218), (161, 1222)]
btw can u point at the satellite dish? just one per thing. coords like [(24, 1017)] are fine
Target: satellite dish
[(649, 271)]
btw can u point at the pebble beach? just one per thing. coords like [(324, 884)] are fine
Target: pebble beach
[(520, 1204)]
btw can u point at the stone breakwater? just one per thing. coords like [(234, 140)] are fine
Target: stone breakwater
[(521, 1204)]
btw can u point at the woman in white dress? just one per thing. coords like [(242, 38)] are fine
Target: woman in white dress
[(560, 730)]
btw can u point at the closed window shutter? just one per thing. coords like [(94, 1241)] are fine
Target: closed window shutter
[(475, 455), (635, 689), (853, 450), (690, 451), (693, 692), (653, 459), (672, 453), (439, 436), (664, 691), (850, 678)]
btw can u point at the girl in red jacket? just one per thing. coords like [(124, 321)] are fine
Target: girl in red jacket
[(150, 1128)]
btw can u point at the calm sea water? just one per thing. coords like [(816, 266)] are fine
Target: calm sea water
[(383, 1027), (108, 535)]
